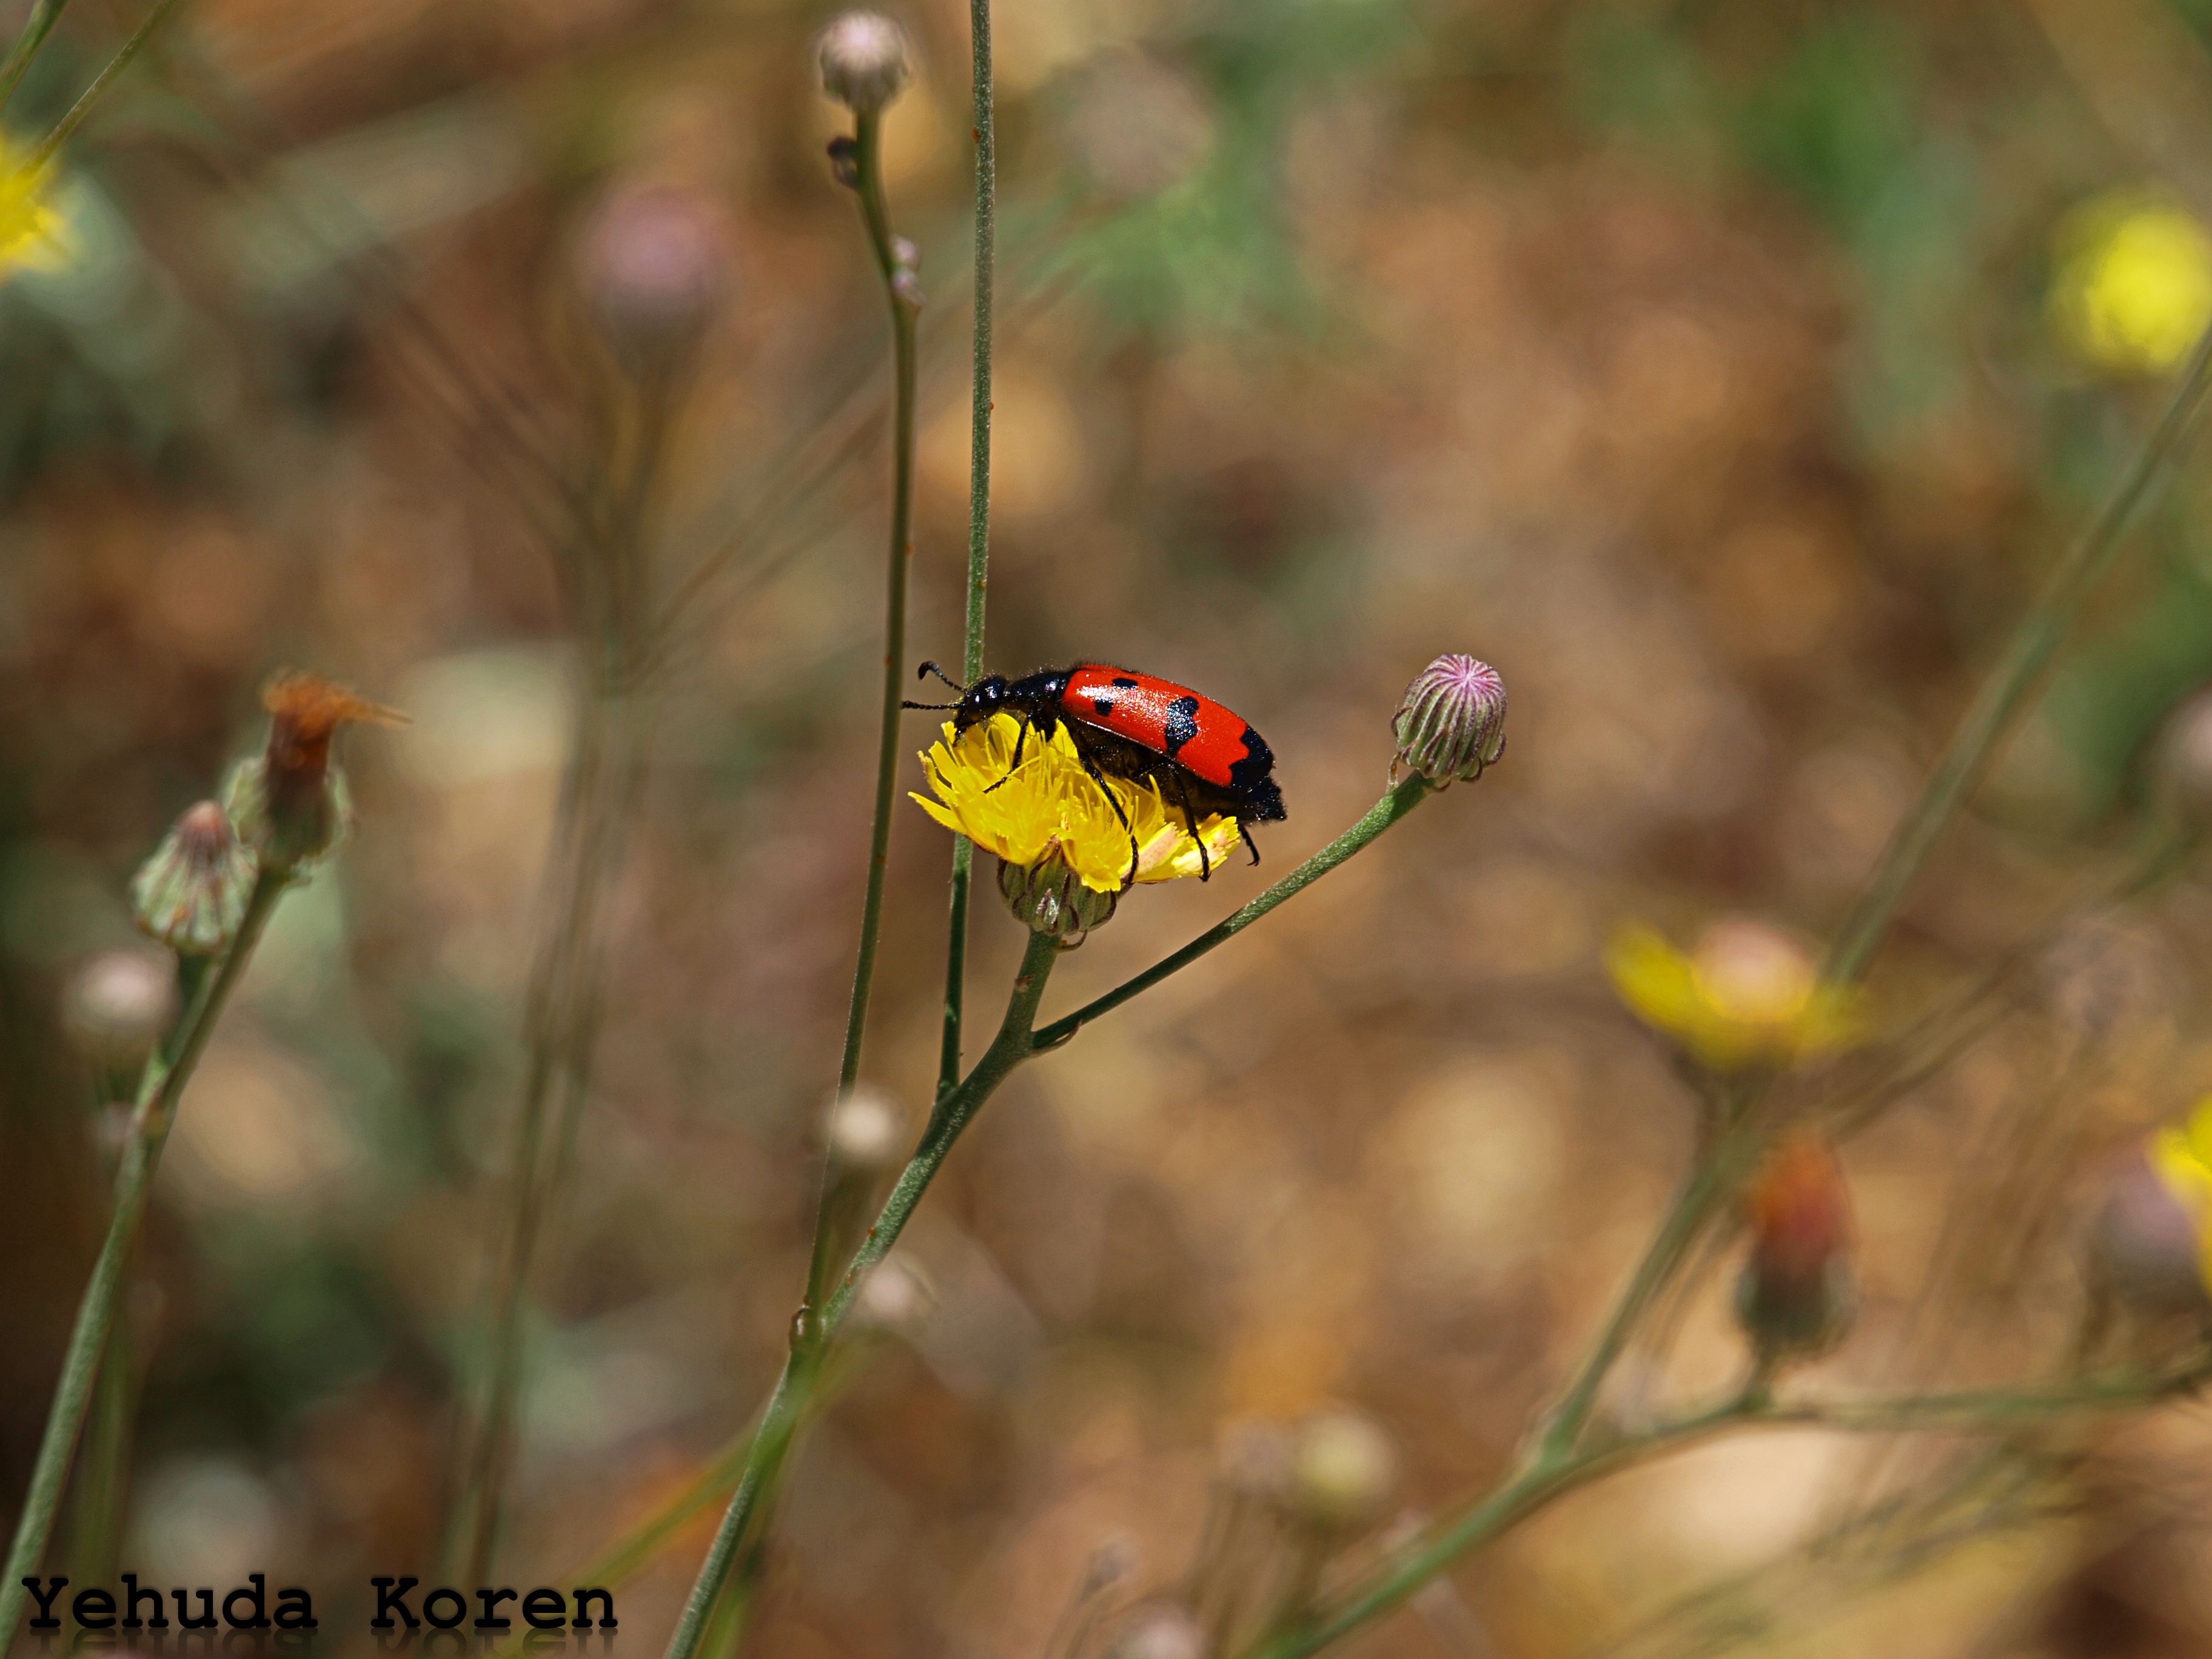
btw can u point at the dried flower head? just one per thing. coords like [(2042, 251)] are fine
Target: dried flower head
[(1747, 996), (34, 235), (1055, 827), (865, 61), (191, 894), (866, 1132), (1796, 1297), (2134, 287), (1451, 722), (1345, 1470), (654, 264), (117, 1005), (290, 803)]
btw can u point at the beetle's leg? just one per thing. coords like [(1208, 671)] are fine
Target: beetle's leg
[(1251, 846), (1190, 822), (1112, 800), (1020, 738)]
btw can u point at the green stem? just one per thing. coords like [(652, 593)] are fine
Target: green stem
[(2007, 690), (1709, 1181), (69, 123), (1401, 799), (158, 1090), (1554, 1471), (36, 27), (899, 292), (803, 1367), (978, 501)]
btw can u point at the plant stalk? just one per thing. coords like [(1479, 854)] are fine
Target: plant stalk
[(905, 306), (1399, 799), (50, 146), (812, 1333), (160, 1087), (979, 503), (36, 27), (2007, 690), (1555, 1470)]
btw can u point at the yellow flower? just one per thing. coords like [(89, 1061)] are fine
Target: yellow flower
[(2134, 289), (34, 235), (1051, 805), (1748, 995), (2180, 1155)]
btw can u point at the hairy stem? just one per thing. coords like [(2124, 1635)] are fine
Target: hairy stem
[(1401, 799), (812, 1334), (160, 1089), (2007, 690), (979, 504)]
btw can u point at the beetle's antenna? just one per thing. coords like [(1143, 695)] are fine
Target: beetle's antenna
[(929, 705), (929, 668)]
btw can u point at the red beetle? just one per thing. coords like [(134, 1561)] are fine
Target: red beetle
[(1207, 759)]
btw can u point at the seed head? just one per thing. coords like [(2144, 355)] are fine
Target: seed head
[(865, 61), (1797, 1295), (290, 803), (1451, 724), (866, 1132), (117, 1005), (654, 265), (191, 894), (1344, 1470)]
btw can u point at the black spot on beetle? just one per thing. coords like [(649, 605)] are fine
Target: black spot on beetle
[(1182, 723), (1104, 705), (1254, 765), (1125, 681)]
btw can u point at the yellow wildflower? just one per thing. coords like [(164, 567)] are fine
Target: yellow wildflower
[(2134, 287), (34, 235), (2180, 1156), (1747, 995), (1051, 807)]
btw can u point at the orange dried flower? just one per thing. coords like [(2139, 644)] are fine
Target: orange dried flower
[(1797, 1296), (290, 803)]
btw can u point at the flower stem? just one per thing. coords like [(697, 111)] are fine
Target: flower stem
[(2007, 690), (812, 1334), (1555, 1470), (875, 213), (50, 146), (1399, 799), (36, 27), (160, 1089), (979, 504)]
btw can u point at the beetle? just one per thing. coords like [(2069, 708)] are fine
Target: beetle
[(1205, 757)]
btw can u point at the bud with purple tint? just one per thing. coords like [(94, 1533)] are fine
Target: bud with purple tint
[(1451, 724), (865, 61), (654, 264)]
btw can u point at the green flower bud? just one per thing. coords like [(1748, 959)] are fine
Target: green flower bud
[(191, 894), (1048, 897)]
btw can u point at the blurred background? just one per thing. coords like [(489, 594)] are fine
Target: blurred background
[(1726, 372)]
